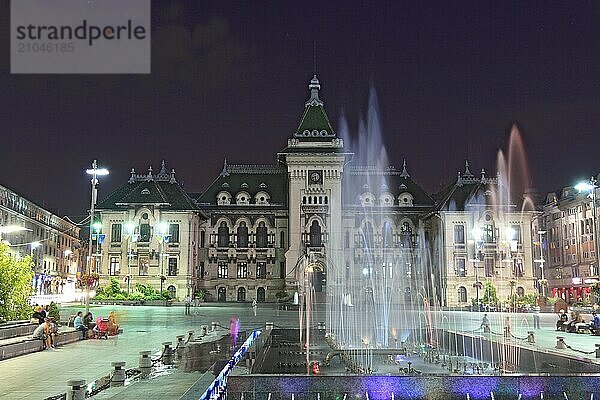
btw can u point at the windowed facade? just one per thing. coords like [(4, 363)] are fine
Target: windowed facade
[(172, 266), (459, 234), (261, 235), (242, 235), (174, 233), (222, 270), (261, 270), (461, 269), (223, 235), (115, 233), (242, 270), (462, 294), (144, 233), (315, 235), (489, 267), (114, 267)]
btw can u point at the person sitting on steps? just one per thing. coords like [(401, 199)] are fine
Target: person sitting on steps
[(79, 326)]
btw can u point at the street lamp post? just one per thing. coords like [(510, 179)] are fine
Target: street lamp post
[(163, 234), (541, 262), (130, 230), (95, 172)]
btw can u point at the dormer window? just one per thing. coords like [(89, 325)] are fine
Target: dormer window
[(262, 198), (405, 200), (242, 198), (367, 199), (244, 185), (386, 200), (223, 198), (145, 191)]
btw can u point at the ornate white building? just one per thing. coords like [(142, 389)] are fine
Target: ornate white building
[(364, 228)]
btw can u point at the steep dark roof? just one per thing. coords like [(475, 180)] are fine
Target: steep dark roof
[(314, 124), (252, 179), (468, 190), (160, 190), (361, 179)]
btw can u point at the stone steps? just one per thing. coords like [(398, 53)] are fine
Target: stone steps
[(17, 346)]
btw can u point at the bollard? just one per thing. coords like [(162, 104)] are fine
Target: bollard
[(76, 389), (180, 346), (597, 350), (268, 326), (145, 363), (560, 342), (118, 377), (190, 336), (167, 357), (214, 326), (530, 337)]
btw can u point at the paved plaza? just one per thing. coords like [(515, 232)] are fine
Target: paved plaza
[(42, 374)]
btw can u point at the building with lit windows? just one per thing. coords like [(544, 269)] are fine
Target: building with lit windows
[(51, 240), (149, 233), (571, 259), (363, 228)]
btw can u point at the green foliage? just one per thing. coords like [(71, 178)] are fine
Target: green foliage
[(54, 312), (490, 295), (112, 291), (201, 294), (15, 285), (281, 295), (151, 294)]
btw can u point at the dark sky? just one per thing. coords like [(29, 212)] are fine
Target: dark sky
[(230, 79)]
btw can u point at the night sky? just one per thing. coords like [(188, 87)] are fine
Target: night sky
[(229, 79)]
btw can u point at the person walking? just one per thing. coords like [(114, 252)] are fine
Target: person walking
[(254, 306), (485, 323), (188, 304), (536, 317)]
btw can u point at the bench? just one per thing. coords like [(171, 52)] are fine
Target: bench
[(16, 328), (16, 346)]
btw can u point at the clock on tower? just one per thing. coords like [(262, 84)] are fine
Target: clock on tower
[(315, 177)]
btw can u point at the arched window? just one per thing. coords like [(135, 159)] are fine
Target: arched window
[(520, 291), (406, 235), (242, 235), (462, 294), (223, 233), (282, 239), (303, 199), (386, 234), (222, 295), (315, 234), (172, 291), (241, 294), (261, 235), (260, 295)]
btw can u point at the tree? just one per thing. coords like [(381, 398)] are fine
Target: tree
[(16, 276), (489, 293)]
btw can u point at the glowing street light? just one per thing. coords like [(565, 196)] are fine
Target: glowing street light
[(12, 229), (95, 172)]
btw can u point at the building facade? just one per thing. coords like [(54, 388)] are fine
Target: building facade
[(479, 235), (52, 241), (149, 233), (571, 258), (367, 231)]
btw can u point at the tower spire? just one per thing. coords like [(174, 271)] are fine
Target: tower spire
[(404, 174), (314, 87)]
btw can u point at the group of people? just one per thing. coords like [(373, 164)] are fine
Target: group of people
[(101, 327), (47, 328), (577, 323)]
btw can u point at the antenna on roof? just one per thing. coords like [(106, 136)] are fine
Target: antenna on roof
[(314, 57)]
